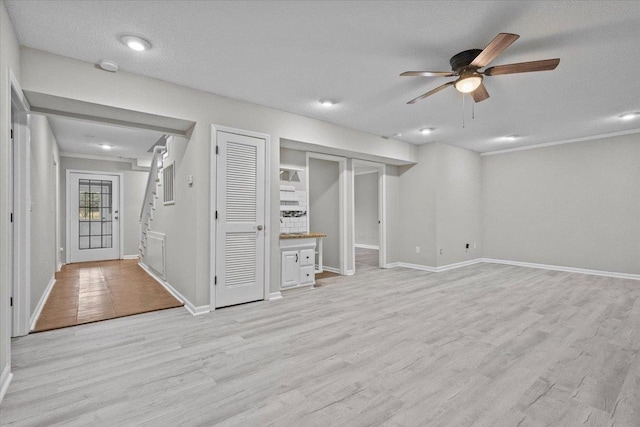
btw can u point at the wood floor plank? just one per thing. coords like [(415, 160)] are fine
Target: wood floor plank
[(483, 345)]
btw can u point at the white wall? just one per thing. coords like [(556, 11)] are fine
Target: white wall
[(367, 229), (417, 215), (440, 207), (458, 205), (9, 59), (49, 74), (133, 187), (573, 205), (44, 158), (324, 212)]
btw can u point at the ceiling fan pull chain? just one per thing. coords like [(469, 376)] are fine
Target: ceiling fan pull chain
[(463, 111)]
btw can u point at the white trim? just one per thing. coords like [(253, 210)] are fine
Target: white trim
[(275, 295), (518, 264), (567, 269), (19, 257), (43, 300), (5, 380), (365, 172), (435, 269), (350, 273), (60, 264), (68, 208), (342, 203), (188, 305), (212, 208), (566, 141), (131, 257), (363, 246)]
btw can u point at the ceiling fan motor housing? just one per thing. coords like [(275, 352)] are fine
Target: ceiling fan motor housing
[(462, 60)]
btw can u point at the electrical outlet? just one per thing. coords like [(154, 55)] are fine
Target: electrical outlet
[(417, 249)]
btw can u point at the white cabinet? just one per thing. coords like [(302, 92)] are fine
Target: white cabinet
[(298, 258)]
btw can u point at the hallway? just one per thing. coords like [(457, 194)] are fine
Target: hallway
[(93, 291)]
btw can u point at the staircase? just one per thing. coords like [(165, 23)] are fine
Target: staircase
[(150, 197)]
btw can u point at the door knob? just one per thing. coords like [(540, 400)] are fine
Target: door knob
[(260, 227)]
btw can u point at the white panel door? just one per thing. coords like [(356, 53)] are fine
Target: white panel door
[(93, 214), (240, 207)]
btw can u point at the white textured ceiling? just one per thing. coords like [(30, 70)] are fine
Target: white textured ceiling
[(288, 55), (84, 137)]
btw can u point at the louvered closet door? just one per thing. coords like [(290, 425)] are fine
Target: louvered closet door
[(240, 232)]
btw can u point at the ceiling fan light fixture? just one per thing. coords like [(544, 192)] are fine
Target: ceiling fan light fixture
[(136, 43), (468, 82)]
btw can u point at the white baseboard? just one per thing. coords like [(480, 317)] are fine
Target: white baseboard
[(194, 310), (41, 303), (275, 295), (349, 273), (566, 269), (131, 257), (60, 266), (363, 246), (458, 265), (434, 269), (331, 269), (515, 263), (5, 380)]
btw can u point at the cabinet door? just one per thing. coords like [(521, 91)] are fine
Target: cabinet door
[(290, 268)]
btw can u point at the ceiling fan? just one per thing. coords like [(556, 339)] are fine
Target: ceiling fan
[(465, 66)]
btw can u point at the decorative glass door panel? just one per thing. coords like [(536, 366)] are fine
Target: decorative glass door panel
[(93, 217)]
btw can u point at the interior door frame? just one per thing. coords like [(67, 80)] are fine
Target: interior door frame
[(342, 205), (68, 208), (20, 199), (382, 209), (213, 194)]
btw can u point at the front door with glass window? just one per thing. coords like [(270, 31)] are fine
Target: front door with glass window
[(93, 214)]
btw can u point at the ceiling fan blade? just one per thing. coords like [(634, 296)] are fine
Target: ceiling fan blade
[(523, 67), (480, 94), (431, 92), (493, 49), (428, 73)]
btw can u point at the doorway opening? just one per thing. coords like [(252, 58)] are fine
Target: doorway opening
[(369, 228), (327, 195)]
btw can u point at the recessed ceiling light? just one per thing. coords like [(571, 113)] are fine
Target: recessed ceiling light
[(510, 137), (630, 116), (397, 135), (136, 43), (426, 131), (106, 146), (327, 102)]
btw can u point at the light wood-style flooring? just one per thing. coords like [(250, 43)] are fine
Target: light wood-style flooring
[(93, 291), (483, 345)]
